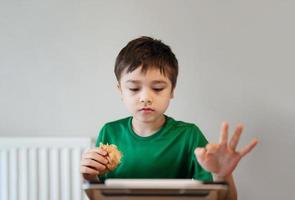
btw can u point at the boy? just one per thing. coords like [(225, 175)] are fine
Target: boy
[(153, 144)]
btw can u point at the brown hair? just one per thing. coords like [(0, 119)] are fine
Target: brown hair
[(147, 53)]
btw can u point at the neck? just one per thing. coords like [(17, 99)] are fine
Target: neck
[(146, 129)]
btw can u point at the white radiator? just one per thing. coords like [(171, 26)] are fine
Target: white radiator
[(41, 168)]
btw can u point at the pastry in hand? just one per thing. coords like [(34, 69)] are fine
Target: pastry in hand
[(114, 155)]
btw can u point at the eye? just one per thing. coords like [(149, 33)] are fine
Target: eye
[(134, 89), (158, 89)]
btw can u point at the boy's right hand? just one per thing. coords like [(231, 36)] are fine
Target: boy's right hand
[(93, 163)]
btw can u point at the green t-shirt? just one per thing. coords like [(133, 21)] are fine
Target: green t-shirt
[(168, 153)]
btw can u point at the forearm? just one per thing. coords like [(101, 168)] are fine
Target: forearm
[(232, 191)]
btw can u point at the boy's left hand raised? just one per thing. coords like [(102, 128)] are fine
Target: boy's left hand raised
[(221, 159)]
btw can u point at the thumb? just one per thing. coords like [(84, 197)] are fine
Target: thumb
[(200, 154)]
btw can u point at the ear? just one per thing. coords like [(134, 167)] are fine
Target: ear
[(119, 90), (172, 94)]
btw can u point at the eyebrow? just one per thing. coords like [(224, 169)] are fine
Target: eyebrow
[(132, 81), (153, 82)]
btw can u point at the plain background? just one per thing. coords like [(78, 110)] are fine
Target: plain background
[(236, 63)]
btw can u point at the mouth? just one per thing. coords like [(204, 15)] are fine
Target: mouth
[(147, 109)]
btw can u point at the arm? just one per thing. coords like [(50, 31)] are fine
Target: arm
[(221, 159), (231, 186)]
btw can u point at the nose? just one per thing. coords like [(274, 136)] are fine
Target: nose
[(146, 97)]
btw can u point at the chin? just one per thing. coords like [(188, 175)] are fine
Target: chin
[(148, 119)]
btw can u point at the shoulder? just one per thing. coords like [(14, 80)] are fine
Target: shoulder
[(112, 130), (188, 130), (178, 124), (116, 123)]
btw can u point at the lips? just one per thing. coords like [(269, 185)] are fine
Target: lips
[(147, 109)]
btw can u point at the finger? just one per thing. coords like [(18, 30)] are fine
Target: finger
[(200, 154), (97, 150), (223, 133), (211, 148), (236, 137), (94, 152), (93, 164), (248, 148), (88, 170), (96, 157)]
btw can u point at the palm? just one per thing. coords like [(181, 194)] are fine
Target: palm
[(221, 159)]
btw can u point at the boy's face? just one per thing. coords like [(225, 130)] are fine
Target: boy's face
[(146, 96)]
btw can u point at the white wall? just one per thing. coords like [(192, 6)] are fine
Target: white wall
[(236, 59)]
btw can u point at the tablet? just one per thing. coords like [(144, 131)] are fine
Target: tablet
[(162, 189)]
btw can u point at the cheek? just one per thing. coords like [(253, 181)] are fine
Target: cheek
[(167, 96), (130, 100), (165, 100)]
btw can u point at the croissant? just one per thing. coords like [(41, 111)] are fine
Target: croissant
[(114, 155)]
